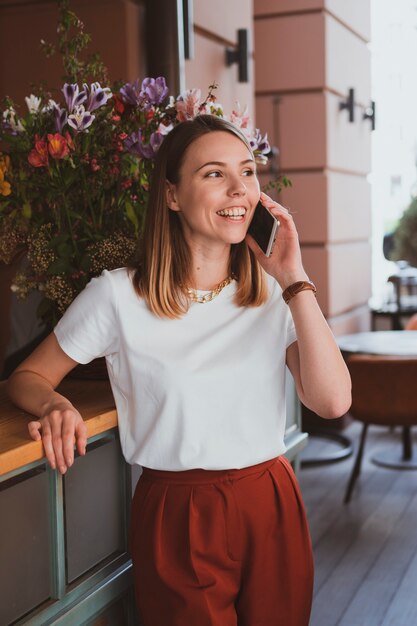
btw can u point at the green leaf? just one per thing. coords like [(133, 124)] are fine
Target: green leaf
[(286, 181), (57, 241), (27, 210), (59, 266), (64, 250), (85, 263), (131, 215)]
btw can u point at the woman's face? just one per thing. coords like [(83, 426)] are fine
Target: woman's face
[(217, 192)]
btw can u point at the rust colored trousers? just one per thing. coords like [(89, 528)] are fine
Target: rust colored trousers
[(222, 547)]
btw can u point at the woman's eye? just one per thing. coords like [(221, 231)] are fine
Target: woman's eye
[(249, 172), (215, 174)]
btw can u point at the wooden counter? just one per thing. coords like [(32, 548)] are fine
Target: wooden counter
[(93, 399), (66, 557)]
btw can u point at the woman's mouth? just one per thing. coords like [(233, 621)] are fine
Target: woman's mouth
[(236, 214)]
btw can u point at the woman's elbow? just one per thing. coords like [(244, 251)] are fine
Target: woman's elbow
[(335, 407)]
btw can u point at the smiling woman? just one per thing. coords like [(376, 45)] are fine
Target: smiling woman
[(214, 200), (196, 337), (205, 167)]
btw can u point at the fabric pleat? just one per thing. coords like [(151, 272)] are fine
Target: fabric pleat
[(222, 548)]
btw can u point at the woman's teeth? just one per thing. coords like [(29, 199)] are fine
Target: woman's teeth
[(234, 212)]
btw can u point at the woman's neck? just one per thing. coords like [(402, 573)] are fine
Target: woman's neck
[(209, 267)]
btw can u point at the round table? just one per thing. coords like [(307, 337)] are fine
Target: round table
[(402, 343), (382, 342)]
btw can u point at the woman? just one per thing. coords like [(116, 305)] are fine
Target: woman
[(196, 338)]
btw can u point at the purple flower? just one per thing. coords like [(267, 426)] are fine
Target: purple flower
[(135, 144), (96, 95), (152, 92), (132, 143), (61, 118), (131, 93), (73, 96), (155, 89), (80, 119), (259, 143)]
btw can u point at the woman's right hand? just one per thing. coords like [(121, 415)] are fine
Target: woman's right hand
[(32, 388), (60, 426)]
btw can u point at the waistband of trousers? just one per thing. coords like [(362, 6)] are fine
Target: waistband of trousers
[(201, 476)]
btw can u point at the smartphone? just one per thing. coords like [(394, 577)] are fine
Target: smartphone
[(263, 228)]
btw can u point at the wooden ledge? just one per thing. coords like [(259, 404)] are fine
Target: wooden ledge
[(93, 399)]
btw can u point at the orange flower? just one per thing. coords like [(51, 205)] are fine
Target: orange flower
[(4, 162), (57, 146), (69, 141), (5, 187), (38, 157)]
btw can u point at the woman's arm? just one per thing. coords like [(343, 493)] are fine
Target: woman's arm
[(321, 377), (32, 388)]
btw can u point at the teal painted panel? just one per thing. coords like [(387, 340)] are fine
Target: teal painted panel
[(94, 514), (24, 545)]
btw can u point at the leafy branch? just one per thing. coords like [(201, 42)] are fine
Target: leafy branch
[(72, 42)]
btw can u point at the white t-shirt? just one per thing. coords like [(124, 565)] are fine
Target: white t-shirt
[(203, 391)]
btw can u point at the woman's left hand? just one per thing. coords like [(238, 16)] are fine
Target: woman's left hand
[(285, 263)]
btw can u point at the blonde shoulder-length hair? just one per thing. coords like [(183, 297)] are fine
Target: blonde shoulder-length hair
[(163, 263)]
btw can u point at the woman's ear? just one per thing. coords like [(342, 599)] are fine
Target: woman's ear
[(171, 196)]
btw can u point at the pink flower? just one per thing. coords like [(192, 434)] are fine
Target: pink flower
[(240, 118), (188, 105)]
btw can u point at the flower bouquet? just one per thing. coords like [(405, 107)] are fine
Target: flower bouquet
[(75, 172)]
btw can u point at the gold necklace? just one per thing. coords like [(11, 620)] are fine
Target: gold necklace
[(207, 297)]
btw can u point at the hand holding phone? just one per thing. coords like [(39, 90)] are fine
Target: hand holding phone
[(263, 228)]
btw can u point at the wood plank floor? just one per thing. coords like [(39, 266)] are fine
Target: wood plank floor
[(366, 551)]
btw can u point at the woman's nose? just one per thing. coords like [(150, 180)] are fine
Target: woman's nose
[(237, 187)]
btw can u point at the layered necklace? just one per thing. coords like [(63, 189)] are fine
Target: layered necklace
[(195, 296)]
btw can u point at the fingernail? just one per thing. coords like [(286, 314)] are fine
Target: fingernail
[(62, 469), (69, 462)]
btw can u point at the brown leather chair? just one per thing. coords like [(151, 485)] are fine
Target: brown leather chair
[(383, 393), (412, 323)]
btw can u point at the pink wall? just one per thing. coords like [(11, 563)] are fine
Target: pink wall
[(308, 53), (215, 28), (116, 35)]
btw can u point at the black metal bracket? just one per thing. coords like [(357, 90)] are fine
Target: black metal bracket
[(240, 55), (370, 114), (273, 161), (187, 13), (349, 104)]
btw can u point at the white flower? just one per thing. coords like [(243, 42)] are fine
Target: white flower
[(50, 106), (33, 103), (80, 119), (164, 130), (10, 119)]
